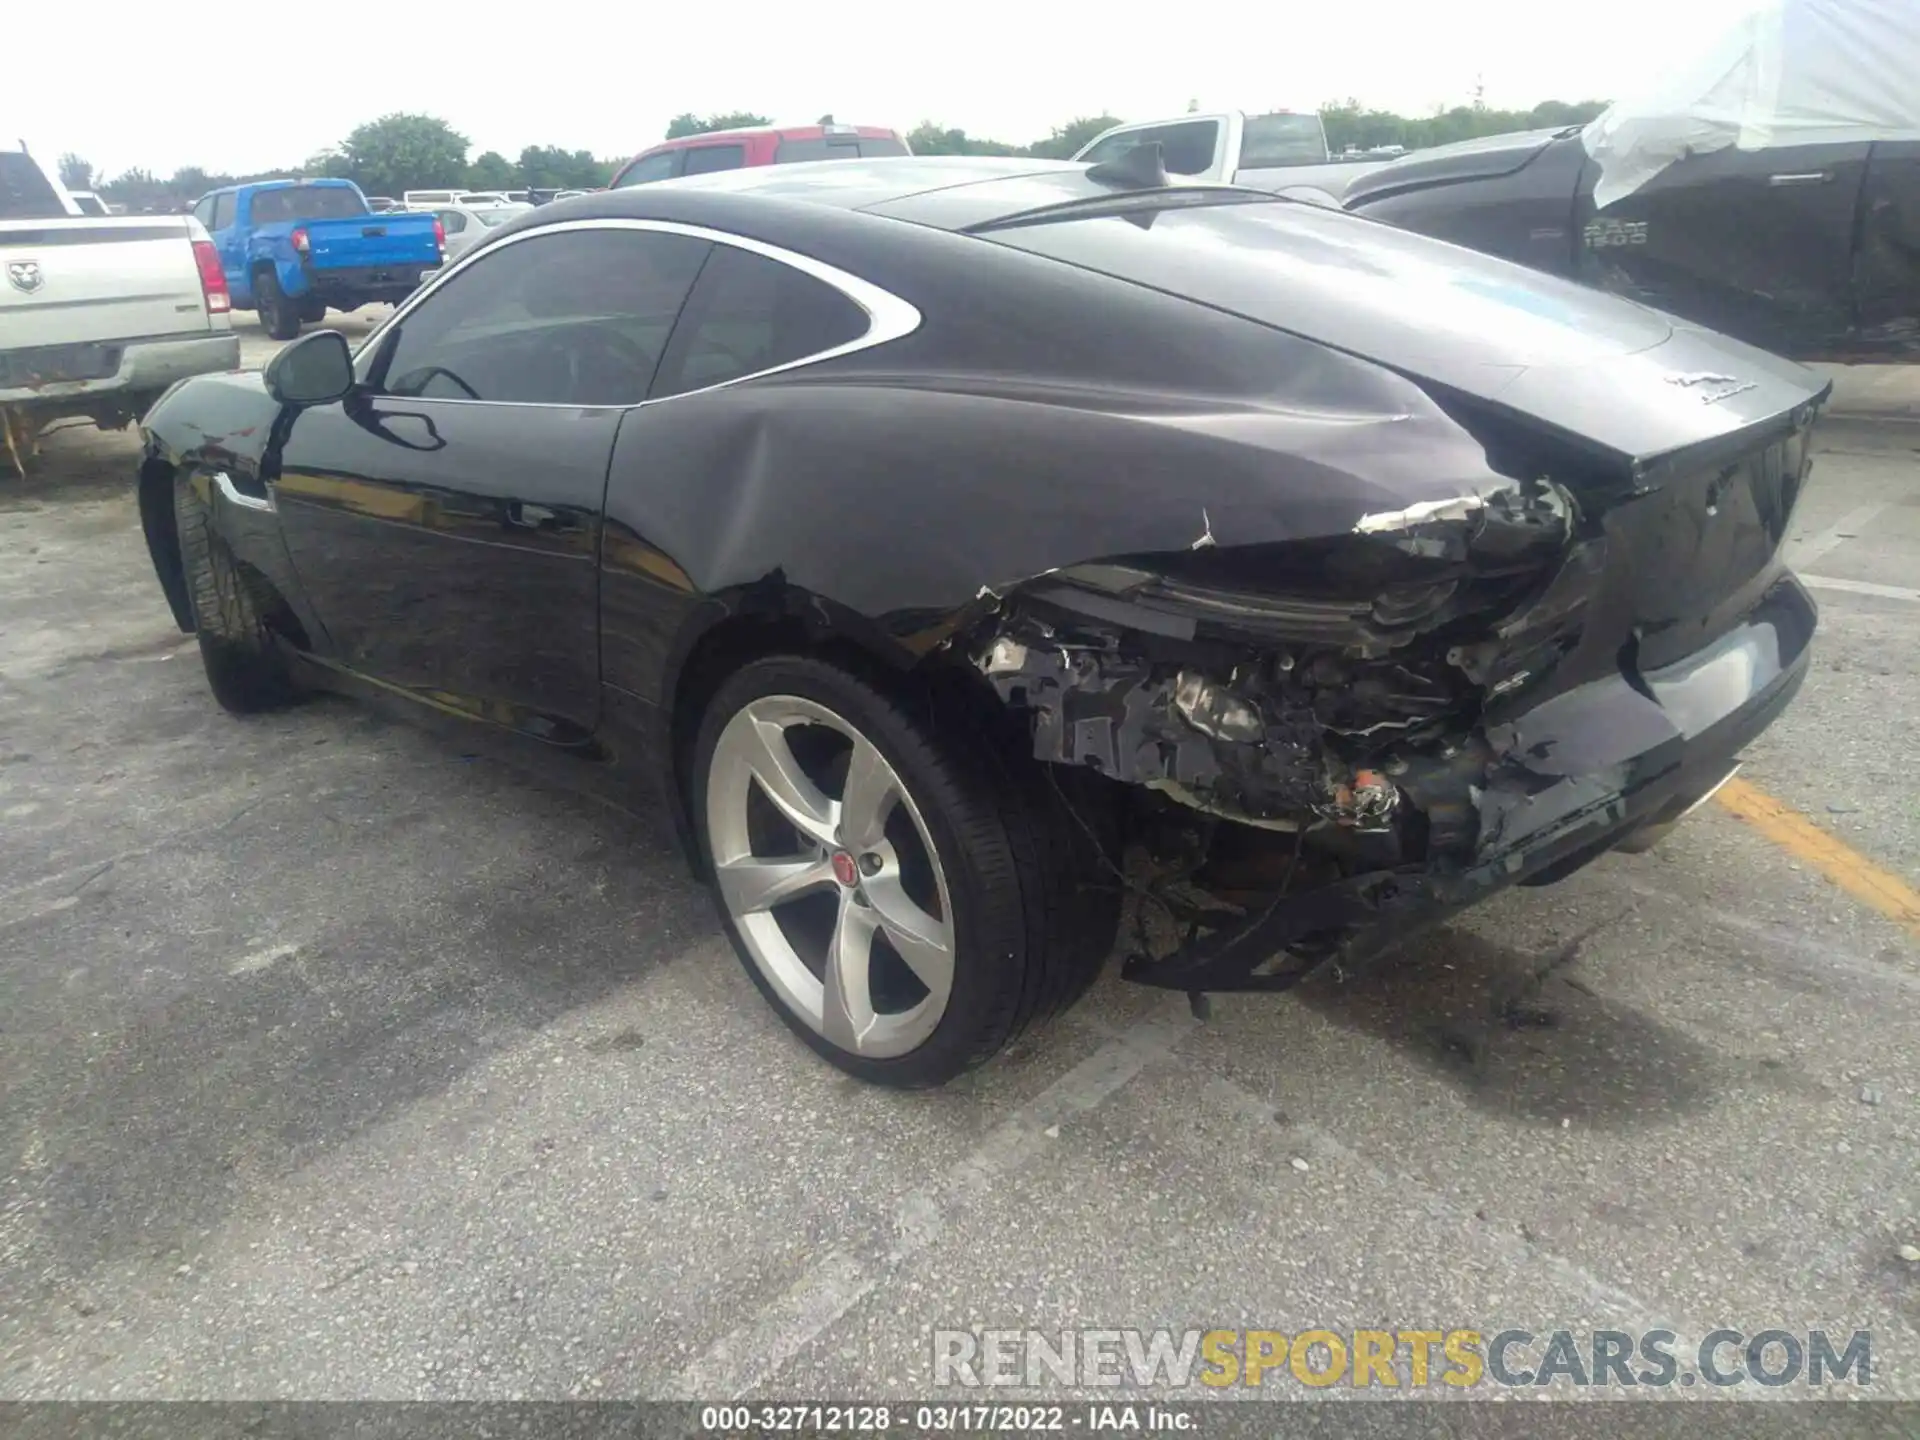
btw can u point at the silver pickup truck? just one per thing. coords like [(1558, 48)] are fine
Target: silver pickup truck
[(98, 314), (1282, 150)]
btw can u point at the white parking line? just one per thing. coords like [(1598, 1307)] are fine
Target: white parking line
[(756, 1351), (1860, 587)]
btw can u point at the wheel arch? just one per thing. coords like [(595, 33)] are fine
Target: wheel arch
[(729, 638), (163, 536)]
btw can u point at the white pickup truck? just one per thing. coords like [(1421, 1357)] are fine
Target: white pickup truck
[(98, 315), (1282, 150)]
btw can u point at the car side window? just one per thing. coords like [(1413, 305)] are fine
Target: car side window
[(749, 314), (223, 208), (203, 212), (577, 317), (1187, 145), (452, 221), (663, 166), (705, 159)]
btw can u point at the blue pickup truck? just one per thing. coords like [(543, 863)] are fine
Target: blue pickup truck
[(293, 249)]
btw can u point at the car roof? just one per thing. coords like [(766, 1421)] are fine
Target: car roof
[(949, 192), (785, 132)]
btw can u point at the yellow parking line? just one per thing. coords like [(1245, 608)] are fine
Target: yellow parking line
[(1841, 863)]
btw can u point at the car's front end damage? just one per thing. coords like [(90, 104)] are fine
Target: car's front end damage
[(1330, 742)]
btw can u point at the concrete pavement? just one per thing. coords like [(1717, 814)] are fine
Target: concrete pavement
[(341, 1064)]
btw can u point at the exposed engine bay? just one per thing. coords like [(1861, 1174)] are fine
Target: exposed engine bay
[(1303, 714)]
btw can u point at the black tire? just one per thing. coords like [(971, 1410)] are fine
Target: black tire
[(279, 315), (312, 312), (245, 670), (1033, 919)]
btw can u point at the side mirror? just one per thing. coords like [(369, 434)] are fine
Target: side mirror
[(316, 369)]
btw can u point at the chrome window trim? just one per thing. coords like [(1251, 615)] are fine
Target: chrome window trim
[(889, 317)]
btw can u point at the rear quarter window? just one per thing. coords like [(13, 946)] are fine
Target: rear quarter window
[(1270, 142), (1188, 145), (749, 314), (838, 147), (648, 168), (24, 191), (705, 159), (306, 202)]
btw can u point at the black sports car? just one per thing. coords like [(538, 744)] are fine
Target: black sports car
[(958, 549)]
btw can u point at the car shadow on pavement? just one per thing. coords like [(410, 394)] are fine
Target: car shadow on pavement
[(1519, 1043), (136, 1141)]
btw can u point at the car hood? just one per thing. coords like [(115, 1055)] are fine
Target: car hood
[(1631, 381), (1481, 159)]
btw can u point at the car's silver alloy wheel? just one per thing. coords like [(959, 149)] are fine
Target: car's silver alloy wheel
[(881, 873)]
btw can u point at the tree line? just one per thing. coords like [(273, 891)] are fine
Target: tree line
[(402, 152)]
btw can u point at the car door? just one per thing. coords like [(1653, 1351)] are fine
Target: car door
[(229, 241), (1755, 243), (1887, 268), (445, 518)]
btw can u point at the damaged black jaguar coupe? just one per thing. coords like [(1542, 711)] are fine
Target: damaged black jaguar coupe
[(966, 553)]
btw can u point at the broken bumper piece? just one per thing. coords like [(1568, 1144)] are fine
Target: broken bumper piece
[(1569, 781), (1444, 809)]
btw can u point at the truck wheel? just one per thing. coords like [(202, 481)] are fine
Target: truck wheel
[(312, 312), (278, 313), (244, 670), (907, 895)]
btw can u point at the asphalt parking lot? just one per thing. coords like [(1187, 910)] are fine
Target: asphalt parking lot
[(339, 1063)]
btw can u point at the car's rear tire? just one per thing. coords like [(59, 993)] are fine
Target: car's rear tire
[(975, 907), (312, 312), (279, 316), (245, 669)]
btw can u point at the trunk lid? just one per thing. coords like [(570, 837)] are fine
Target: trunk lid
[(84, 281), (359, 241)]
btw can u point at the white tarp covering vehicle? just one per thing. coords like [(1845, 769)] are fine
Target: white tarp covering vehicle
[(1766, 185), (1792, 73)]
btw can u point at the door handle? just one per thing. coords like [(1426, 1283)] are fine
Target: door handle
[(223, 482), (530, 516), (1805, 177)]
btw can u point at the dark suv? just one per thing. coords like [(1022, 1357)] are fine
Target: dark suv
[(768, 145)]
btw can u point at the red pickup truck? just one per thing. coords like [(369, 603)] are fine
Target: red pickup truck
[(765, 145)]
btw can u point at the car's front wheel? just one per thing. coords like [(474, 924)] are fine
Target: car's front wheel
[(230, 605), (909, 898)]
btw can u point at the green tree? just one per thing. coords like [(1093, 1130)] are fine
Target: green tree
[(401, 152), (75, 173), (1067, 140), (548, 167), (928, 138), (492, 171), (689, 123)]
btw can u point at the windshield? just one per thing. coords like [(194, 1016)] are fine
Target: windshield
[(24, 191), (494, 217), (1270, 141), (306, 202)]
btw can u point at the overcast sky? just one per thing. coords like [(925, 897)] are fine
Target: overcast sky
[(161, 86)]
